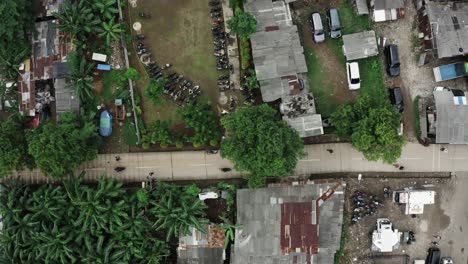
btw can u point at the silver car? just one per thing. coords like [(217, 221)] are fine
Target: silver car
[(317, 28)]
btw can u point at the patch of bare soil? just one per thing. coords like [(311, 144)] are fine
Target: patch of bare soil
[(425, 226)]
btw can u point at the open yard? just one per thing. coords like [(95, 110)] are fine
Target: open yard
[(326, 62), (178, 33), (439, 219)]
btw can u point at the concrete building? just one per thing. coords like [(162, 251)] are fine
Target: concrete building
[(360, 45), (385, 238), (451, 116), (289, 224), (362, 8), (200, 248), (387, 10), (279, 60), (444, 27)]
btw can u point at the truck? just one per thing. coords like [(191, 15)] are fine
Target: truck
[(450, 71)]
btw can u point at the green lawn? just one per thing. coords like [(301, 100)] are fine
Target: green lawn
[(177, 33), (322, 90)]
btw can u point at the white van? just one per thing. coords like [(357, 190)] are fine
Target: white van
[(317, 27)]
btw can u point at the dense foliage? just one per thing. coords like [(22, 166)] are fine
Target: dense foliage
[(13, 146), (81, 78), (154, 90), (59, 148), (76, 223), (372, 126), (177, 209), (16, 21), (158, 132), (243, 24), (202, 119), (103, 223), (259, 143)]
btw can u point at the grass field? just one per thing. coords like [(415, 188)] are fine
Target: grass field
[(321, 88), (178, 32)]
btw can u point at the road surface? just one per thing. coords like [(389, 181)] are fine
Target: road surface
[(198, 165)]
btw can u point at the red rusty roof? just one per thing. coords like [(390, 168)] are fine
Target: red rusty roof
[(297, 230)]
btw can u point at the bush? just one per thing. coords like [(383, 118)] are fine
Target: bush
[(196, 144), (417, 125), (179, 144), (213, 142), (162, 145), (245, 53)]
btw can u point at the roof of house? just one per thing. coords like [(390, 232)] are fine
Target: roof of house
[(307, 125), (65, 98), (289, 224), (276, 47), (48, 7), (388, 4), (452, 118), (449, 27), (362, 8), (360, 45), (200, 248)]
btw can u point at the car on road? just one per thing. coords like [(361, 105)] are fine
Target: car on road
[(396, 98), (393, 60), (334, 23), (317, 27), (352, 72)]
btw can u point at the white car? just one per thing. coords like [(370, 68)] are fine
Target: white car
[(352, 71)]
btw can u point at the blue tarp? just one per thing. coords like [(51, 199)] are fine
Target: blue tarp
[(105, 124), (104, 67)]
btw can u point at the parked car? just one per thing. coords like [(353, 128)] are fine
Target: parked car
[(396, 98), (433, 256), (317, 27), (446, 260), (334, 23), (393, 60), (352, 72)]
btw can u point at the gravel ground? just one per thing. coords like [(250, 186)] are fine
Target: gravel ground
[(427, 225)]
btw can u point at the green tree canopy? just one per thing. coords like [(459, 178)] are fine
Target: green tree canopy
[(259, 142), (76, 223), (81, 76), (159, 132), (17, 19), (243, 24), (154, 90), (110, 30), (59, 149), (372, 128), (176, 210), (203, 120), (13, 146)]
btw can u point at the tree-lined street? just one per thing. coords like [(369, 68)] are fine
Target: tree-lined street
[(198, 165)]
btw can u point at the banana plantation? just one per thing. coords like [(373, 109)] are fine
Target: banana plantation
[(104, 223)]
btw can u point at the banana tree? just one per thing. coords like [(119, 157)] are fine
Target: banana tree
[(105, 8), (76, 18), (110, 30), (81, 76)]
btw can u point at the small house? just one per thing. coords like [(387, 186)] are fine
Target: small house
[(388, 10), (451, 116), (360, 45)]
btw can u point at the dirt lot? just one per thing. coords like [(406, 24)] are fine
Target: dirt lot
[(433, 222), (178, 32)]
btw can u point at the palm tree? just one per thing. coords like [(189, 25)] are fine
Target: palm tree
[(110, 30), (105, 8), (76, 18), (176, 211), (81, 76)]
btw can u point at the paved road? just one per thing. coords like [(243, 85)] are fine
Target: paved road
[(194, 165)]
